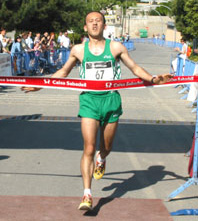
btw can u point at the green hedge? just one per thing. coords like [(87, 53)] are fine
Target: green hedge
[(193, 57)]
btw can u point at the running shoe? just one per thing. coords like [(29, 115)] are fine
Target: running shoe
[(99, 169), (86, 203)]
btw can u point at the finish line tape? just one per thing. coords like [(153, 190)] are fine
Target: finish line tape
[(90, 85)]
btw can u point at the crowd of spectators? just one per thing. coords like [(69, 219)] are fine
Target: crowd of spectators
[(28, 42), (26, 48)]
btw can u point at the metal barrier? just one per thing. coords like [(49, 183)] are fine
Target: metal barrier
[(38, 62), (158, 41), (194, 179), (187, 68), (129, 45), (184, 68), (5, 65), (180, 66)]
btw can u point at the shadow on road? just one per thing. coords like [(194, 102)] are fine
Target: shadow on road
[(139, 179), (24, 134), (151, 138)]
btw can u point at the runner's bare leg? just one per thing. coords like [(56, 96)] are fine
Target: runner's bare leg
[(89, 129), (107, 134)]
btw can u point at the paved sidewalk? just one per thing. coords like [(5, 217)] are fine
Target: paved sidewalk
[(41, 143)]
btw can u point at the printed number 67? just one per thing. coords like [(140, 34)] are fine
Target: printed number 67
[(99, 74)]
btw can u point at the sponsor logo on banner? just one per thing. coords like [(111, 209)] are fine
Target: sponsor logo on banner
[(47, 81), (108, 85), (90, 85)]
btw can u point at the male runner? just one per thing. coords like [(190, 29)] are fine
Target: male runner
[(99, 110)]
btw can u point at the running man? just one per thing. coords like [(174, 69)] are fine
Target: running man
[(99, 110)]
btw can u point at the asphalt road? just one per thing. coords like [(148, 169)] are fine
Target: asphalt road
[(41, 143)]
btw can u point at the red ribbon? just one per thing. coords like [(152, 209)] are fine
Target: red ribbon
[(89, 85)]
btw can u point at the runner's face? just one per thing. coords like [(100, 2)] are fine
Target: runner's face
[(94, 24)]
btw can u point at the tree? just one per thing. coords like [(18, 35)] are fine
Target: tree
[(51, 15), (42, 15), (163, 9), (7, 9), (191, 19), (98, 5), (186, 17)]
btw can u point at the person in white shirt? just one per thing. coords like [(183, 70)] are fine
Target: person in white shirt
[(183, 51), (29, 40), (65, 41), (59, 37), (65, 46), (182, 54), (4, 40), (2, 35)]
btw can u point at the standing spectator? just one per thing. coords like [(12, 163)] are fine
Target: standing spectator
[(163, 39), (65, 41), (59, 37), (37, 53), (44, 40), (127, 37), (29, 40), (37, 38), (51, 45), (30, 44), (3, 35), (44, 45), (4, 40), (8, 47), (66, 44), (24, 45), (183, 50), (182, 54), (16, 56), (26, 52), (59, 46)]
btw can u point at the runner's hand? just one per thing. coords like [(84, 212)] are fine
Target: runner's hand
[(163, 78), (30, 89)]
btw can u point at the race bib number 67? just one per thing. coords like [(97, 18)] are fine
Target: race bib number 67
[(99, 70)]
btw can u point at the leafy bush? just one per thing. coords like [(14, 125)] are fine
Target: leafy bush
[(193, 57)]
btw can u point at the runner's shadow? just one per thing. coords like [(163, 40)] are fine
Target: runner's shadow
[(140, 179), (4, 157)]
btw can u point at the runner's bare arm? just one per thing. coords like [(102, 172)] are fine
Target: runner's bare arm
[(120, 51)]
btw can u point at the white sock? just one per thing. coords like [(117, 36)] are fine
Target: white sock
[(87, 192), (99, 159)]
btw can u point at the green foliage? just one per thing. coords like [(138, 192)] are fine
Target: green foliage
[(186, 17), (43, 15), (75, 38), (193, 57), (51, 15), (164, 9), (104, 4)]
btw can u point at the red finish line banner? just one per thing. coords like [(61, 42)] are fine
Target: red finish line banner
[(89, 85)]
